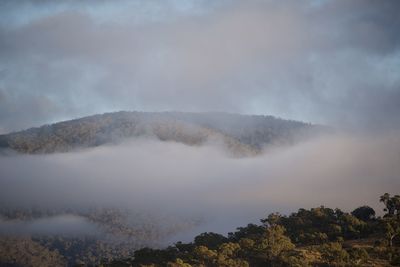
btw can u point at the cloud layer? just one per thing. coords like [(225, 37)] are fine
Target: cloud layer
[(57, 225), (335, 62), (342, 171)]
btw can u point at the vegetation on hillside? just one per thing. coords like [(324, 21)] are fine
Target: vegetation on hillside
[(242, 135), (112, 234), (316, 237), (309, 237)]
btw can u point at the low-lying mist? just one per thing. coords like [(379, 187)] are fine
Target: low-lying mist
[(67, 224), (168, 178)]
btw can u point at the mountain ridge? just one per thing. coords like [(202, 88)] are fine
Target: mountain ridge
[(243, 135)]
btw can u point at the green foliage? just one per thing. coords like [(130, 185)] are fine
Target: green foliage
[(391, 228), (334, 254), (392, 205), (274, 242), (294, 258), (315, 237), (212, 240), (243, 135), (394, 257), (322, 237), (358, 256), (178, 263), (205, 256), (364, 213), (154, 256), (319, 225), (251, 231), (22, 251)]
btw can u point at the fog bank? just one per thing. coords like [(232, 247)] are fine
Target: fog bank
[(71, 225), (337, 170)]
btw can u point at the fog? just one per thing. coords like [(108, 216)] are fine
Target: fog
[(69, 225), (167, 178)]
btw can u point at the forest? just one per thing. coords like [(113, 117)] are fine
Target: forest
[(242, 135), (318, 236)]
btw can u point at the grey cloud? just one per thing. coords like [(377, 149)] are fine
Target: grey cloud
[(288, 58), (367, 25)]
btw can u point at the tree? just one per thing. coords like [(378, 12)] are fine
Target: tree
[(334, 254), (251, 231), (228, 256), (364, 213), (392, 229), (178, 263), (205, 256), (351, 226), (392, 204), (210, 240), (272, 219), (294, 258), (274, 242), (358, 256), (154, 256)]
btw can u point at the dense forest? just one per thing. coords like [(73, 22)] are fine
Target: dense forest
[(242, 135), (104, 234), (309, 237), (316, 237)]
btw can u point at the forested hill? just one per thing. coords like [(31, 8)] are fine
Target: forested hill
[(241, 134), (316, 237)]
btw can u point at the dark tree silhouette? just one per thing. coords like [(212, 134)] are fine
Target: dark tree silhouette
[(364, 213)]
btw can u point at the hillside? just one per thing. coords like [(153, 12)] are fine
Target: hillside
[(106, 234), (317, 237), (242, 135)]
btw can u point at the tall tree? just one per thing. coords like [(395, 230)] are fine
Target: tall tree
[(392, 204)]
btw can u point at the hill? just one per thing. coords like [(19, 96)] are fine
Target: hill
[(318, 237), (243, 135)]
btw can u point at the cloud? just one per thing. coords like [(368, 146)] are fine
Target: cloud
[(340, 170), (334, 62)]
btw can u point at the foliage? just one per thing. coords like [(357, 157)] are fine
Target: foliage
[(334, 254), (212, 240), (364, 213), (392, 205), (358, 256), (242, 135), (274, 242), (315, 237)]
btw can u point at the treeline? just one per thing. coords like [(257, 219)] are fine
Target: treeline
[(316, 237)]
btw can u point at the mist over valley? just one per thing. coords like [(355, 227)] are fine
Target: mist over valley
[(198, 133)]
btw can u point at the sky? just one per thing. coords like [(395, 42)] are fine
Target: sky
[(322, 61)]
